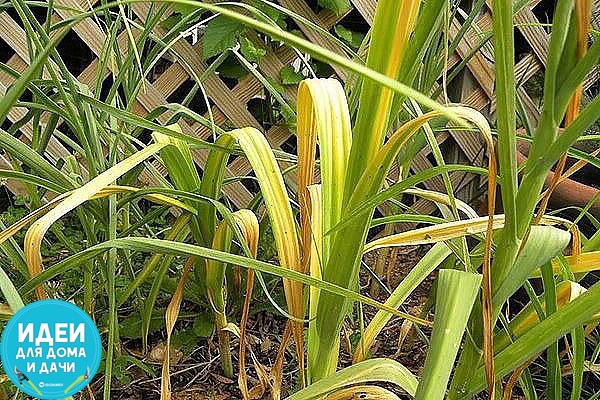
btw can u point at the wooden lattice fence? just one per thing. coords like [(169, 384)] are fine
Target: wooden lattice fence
[(230, 105)]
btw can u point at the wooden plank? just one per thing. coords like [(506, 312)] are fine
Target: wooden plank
[(536, 35), (366, 8), (479, 66), (13, 185)]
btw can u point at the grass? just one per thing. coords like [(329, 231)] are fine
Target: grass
[(320, 210)]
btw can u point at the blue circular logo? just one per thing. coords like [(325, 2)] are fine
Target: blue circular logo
[(51, 349)]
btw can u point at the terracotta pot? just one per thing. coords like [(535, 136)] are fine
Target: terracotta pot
[(567, 193)]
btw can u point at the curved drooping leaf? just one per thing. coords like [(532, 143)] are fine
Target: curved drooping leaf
[(447, 231), (188, 250), (35, 234), (246, 222), (323, 116), (107, 191), (543, 244), (378, 369), (259, 154)]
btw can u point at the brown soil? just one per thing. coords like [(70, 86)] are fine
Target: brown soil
[(412, 351), (197, 376)]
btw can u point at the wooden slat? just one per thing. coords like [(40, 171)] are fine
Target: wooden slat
[(479, 66), (14, 186), (536, 36), (366, 8)]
